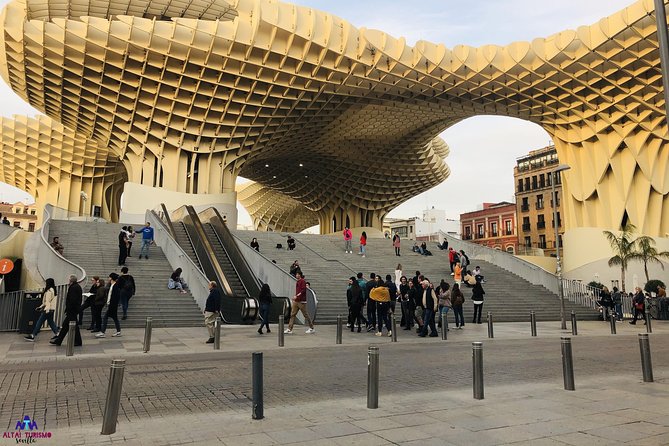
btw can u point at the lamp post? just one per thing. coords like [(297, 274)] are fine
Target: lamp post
[(560, 168)]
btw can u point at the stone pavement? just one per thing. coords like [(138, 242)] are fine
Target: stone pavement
[(183, 392)]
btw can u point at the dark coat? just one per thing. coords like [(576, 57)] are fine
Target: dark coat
[(101, 296), (115, 299), (73, 300), (213, 304)]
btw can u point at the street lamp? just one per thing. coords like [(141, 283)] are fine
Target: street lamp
[(560, 168)]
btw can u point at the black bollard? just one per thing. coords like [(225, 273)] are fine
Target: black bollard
[(574, 328), (217, 334), (567, 364), (533, 323), (258, 411), (147, 334), (612, 320), (491, 333), (69, 351), (110, 414), (649, 327), (646, 362), (477, 364), (393, 337), (281, 324), (373, 378), (340, 323)]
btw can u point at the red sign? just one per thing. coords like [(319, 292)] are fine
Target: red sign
[(6, 266)]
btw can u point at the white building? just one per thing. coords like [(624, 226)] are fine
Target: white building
[(428, 227)]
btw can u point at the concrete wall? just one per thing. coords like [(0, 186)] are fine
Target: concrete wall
[(547, 263), (138, 198)]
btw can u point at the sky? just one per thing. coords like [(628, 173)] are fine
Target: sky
[(483, 149)]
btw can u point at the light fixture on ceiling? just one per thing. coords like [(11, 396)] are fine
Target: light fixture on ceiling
[(301, 165), (266, 165)]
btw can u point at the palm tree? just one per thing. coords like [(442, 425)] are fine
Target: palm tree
[(624, 249), (647, 253)]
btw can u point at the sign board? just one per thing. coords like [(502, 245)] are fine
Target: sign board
[(6, 266)]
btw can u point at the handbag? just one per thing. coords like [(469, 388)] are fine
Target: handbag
[(638, 306)]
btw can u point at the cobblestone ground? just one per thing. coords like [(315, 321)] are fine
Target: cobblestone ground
[(71, 393)]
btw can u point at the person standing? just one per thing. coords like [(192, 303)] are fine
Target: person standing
[(90, 297), (131, 236), (363, 244), (212, 309), (464, 262), (265, 300), (354, 295), (444, 294), (457, 273), (477, 297), (300, 304), (113, 299), (147, 240), (416, 295), (48, 309), (430, 303), (126, 284), (122, 246), (639, 302), (457, 301), (451, 260), (381, 296), (617, 303), (72, 305), (98, 305), (398, 273), (371, 304), (396, 243), (348, 237), (404, 303)]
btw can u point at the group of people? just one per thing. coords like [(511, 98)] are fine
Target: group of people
[(612, 303), (125, 238), (418, 299), (348, 243), (117, 291)]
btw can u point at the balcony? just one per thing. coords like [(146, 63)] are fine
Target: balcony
[(542, 245), (540, 205), (508, 232), (525, 208), (494, 234), (541, 225), (527, 227), (559, 223)]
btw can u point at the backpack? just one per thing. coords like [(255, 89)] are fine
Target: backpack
[(458, 300)]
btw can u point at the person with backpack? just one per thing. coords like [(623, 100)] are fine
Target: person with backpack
[(348, 237), (457, 301), (354, 296), (47, 309)]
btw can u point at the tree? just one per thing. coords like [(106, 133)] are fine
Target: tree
[(646, 252), (624, 249)]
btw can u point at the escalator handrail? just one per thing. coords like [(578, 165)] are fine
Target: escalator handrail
[(249, 280), (169, 226), (168, 221), (220, 241), (211, 267), (190, 240)]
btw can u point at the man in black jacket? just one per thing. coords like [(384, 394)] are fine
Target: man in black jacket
[(122, 246), (212, 309), (126, 284), (371, 304), (72, 306), (113, 299)]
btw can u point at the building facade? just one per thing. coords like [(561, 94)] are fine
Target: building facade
[(20, 215), (432, 223), (533, 176), (494, 226)]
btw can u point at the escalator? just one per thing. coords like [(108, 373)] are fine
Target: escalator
[(183, 239), (224, 261)]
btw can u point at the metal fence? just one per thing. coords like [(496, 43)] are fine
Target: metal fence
[(10, 305)]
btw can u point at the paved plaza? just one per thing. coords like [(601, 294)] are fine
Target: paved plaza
[(184, 392)]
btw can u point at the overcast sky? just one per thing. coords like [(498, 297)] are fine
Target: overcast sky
[(483, 149)]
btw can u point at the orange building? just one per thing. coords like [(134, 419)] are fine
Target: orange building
[(494, 226)]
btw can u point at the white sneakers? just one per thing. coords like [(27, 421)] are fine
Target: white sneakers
[(390, 333), (288, 331), (116, 335), (310, 331), (100, 335), (378, 333)]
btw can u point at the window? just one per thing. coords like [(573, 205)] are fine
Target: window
[(468, 232), (559, 222), (17, 224), (526, 205), (479, 231), (527, 183), (540, 201), (32, 212), (542, 241), (549, 179), (526, 224), (534, 181), (520, 184), (528, 242), (493, 229), (541, 223), (31, 227), (542, 180), (509, 229), (18, 210), (510, 249)]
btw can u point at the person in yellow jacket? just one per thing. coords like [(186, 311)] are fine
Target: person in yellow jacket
[(457, 276), (381, 295)]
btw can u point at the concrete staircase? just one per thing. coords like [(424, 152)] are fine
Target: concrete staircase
[(94, 246), (327, 267)]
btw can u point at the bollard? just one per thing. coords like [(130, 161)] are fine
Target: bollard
[(491, 333), (649, 327), (612, 320), (444, 326), (281, 323), (339, 329), (147, 334), (393, 337), (70, 338), (646, 363), (217, 334), (373, 378), (258, 411), (567, 364), (574, 328), (533, 323), (477, 363), (110, 414)]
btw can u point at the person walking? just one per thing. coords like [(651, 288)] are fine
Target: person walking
[(265, 300), (639, 303), (430, 303), (477, 297), (363, 244), (464, 263), (416, 295), (396, 243), (122, 246), (72, 305), (147, 240), (126, 283), (48, 309), (98, 305), (371, 304), (348, 237), (354, 295), (404, 303), (381, 296), (300, 304), (113, 299), (90, 297), (457, 301), (606, 301), (212, 309), (617, 303)]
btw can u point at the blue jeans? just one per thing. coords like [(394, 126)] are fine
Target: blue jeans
[(428, 321), (444, 313), (264, 315), (144, 251), (45, 317), (363, 249), (459, 316), (125, 299), (619, 311)]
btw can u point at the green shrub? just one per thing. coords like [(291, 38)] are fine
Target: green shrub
[(594, 284), (651, 286)]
